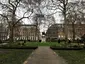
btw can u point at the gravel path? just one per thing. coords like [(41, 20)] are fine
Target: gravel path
[(44, 55)]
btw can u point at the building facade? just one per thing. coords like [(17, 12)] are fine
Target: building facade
[(56, 31), (3, 32), (27, 32)]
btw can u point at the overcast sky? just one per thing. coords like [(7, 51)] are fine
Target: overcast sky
[(56, 15)]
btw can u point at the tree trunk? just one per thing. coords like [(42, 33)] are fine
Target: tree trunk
[(65, 28), (12, 27), (73, 31), (65, 21), (11, 34), (65, 25), (37, 35)]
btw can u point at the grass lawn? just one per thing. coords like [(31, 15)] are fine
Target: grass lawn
[(42, 44), (73, 56), (14, 56)]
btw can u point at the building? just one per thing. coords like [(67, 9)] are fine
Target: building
[(56, 31), (3, 32), (27, 32), (20, 32)]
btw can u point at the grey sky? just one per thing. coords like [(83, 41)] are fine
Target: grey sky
[(44, 10)]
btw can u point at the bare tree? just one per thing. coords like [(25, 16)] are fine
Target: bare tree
[(73, 10), (59, 5), (9, 12), (75, 15), (72, 17), (34, 9)]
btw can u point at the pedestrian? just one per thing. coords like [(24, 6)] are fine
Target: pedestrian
[(58, 40), (69, 41), (78, 41)]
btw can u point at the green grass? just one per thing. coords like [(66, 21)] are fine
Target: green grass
[(51, 44), (42, 44), (73, 56), (14, 56)]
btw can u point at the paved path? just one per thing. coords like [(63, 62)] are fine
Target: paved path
[(44, 55)]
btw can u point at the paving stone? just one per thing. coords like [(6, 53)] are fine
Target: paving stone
[(44, 55)]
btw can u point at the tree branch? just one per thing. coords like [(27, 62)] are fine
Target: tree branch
[(5, 5), (22, 18), (4, 17), (11, 4)]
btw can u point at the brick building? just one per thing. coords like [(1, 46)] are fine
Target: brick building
[(57, 31), (26, 32), (3, 32)]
